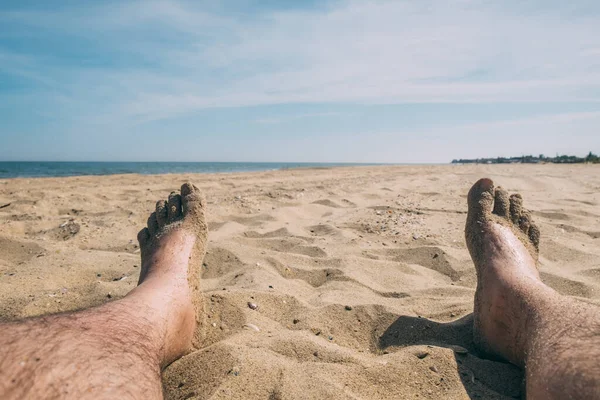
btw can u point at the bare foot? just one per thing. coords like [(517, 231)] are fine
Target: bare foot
[(503, 242), (172, 248)]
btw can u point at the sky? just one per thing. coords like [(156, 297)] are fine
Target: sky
[(305, 81)]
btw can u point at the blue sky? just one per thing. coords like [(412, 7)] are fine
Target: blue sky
[(339, 81)]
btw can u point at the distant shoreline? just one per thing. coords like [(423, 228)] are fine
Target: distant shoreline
[(58, 169), (64, 169), (541, 159)]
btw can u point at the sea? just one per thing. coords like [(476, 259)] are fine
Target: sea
[(35, 169)]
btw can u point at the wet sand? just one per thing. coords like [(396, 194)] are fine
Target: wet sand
[(361, 277)]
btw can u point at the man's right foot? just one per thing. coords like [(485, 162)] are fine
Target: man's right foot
[(503, 242), (172, 248)]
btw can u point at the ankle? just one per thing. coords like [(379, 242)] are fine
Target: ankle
[(166, 317), (506, 310), (170, 257), (528, 300)]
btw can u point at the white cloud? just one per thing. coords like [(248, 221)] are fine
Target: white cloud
[(376, 52), (293, 117)]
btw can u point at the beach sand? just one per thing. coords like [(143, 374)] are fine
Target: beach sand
[(361, 277)]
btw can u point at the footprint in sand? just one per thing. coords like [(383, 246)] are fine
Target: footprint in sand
[(282, 232), (327, 203), (17, 252), (255, 221), (314, 277), (323, 230), (292, 245)]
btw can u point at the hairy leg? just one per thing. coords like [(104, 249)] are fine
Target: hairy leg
[(517, 317), (117, 350), (106, 352), (563, 353)]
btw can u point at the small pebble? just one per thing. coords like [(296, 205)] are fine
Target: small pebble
[(253, 306), (433, 368), (214, 324), (348, 308), (422, 354)]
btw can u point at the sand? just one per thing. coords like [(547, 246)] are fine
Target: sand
[(361, 277)]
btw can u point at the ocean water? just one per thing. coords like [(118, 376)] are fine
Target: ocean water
[(16, 169)]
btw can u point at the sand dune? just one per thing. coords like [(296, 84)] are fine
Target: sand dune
[(362, 279)]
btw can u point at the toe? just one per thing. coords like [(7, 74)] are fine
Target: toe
[(501, 203), (161, 213), (188, 188), (143, 237), (525, 222), (481, 197), (534, 235), (191, 199), (516, 208), (174, 207), (152, 224)]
